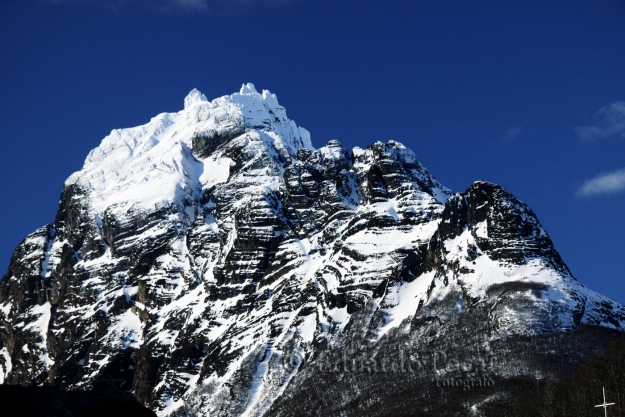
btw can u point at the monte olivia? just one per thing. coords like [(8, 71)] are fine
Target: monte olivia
[(213, 263)]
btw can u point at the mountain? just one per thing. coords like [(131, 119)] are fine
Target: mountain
[(212, 262)]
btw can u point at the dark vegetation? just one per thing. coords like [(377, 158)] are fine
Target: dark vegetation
[(18, 401), (457, 371), (574, 394)]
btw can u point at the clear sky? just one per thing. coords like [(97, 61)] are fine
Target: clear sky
[(526, 94)]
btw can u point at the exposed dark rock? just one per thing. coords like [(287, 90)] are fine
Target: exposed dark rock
[(205, 143)]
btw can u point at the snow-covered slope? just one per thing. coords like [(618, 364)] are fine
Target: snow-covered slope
[(151, 165), (202, 259)]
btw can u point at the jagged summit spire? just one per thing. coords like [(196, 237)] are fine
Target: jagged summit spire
[(193, 97), (248, 88)]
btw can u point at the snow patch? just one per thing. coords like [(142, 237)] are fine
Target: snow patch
[(406, 298), (481, 230), (5, 364)]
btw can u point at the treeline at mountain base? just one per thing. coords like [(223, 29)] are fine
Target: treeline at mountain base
[(560, 374), (574, 394)]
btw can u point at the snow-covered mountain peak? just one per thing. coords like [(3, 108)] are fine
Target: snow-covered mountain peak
[(161, 161), (194, 97), (248, 88), (210, 259)]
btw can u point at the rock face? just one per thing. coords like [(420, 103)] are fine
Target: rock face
[(212, 261)]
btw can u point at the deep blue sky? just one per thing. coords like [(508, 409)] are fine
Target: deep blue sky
[(504, 91)]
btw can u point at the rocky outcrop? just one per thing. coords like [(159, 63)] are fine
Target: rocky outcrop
[(504, 228)]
